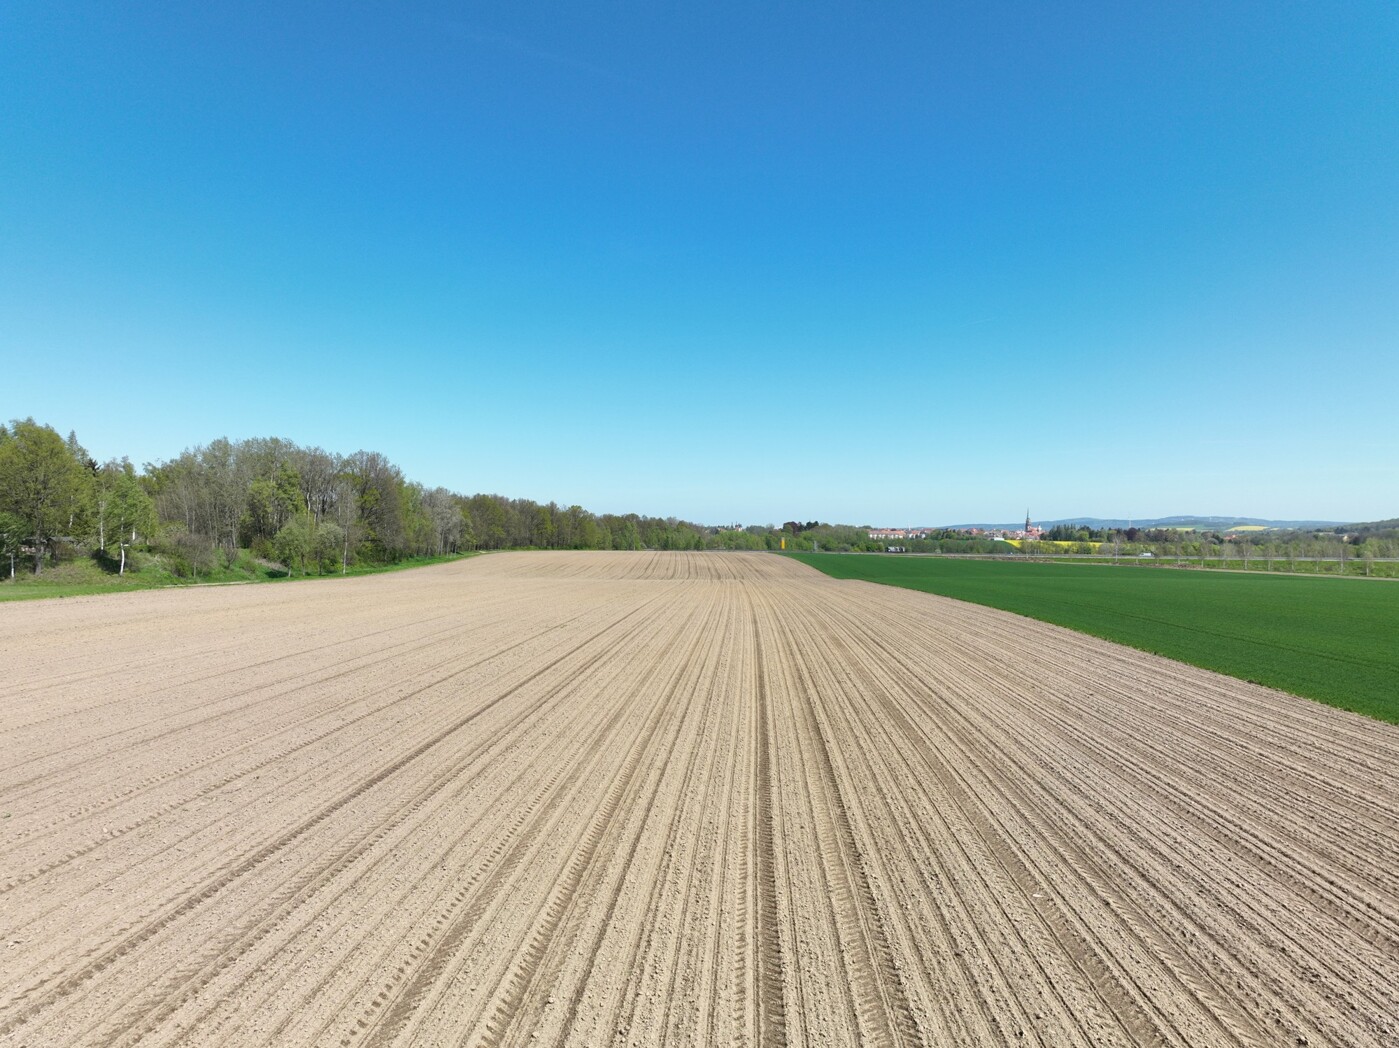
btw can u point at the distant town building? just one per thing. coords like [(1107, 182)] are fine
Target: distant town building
[(1031, 531), (900, 533)]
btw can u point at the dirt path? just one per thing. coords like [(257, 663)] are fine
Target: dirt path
[(688, 799)]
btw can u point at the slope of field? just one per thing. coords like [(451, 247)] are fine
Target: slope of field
[(1335, 640), (679, 799)]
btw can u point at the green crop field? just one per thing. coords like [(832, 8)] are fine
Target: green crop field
[(1335, 640)]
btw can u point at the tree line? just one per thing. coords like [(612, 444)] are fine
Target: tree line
[(307, 508), (1350, 549), (1358, 544), (312, 510)]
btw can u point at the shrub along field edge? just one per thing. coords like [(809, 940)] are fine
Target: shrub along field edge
[(84, 576)]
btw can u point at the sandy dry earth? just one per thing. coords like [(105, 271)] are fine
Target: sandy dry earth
[(640, 799)]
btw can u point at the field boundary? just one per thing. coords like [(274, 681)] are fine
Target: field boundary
[(1332, 646)]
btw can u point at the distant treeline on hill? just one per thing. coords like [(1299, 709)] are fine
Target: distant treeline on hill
[(1377, 540), (313, 510), (1380, 529), (305, 507)]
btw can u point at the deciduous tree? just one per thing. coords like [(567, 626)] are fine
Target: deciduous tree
[(293, 542), (39, 481)]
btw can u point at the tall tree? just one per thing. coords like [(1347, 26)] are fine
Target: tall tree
[(13, 532), (39, 481), (271, 501), (131, 511), (345, 509), (442, 508), (377, 485), (103, 488), (316, 470), (488, 520), (78, 501)]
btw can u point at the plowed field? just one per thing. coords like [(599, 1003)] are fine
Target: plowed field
[(643, 799)]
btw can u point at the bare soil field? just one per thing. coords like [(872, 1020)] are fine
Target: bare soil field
[(681, 799)]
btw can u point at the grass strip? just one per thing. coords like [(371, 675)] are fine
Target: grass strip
[(84, 577)]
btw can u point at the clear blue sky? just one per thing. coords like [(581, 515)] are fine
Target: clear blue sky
[(912, 263)]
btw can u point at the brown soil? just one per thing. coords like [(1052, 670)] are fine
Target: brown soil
[(643, 799)]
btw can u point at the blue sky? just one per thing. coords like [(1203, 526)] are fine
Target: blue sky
[(912, 263)]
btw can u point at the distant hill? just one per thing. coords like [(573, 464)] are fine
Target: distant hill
[(1184, 523), (1375, 527)]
